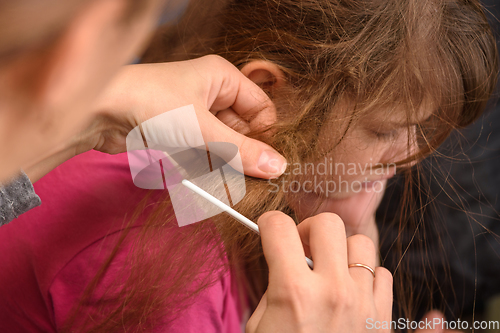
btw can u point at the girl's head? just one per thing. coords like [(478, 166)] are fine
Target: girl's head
[(361, 87), (368, 84)]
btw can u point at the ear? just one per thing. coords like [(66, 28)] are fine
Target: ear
[(75, 66), (48, 88), (265, 74), (268, 77), (81, 56)]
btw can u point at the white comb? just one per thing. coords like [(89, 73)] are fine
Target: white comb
[(245, 221)]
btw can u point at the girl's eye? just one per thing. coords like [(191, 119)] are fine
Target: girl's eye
[(385, 135)]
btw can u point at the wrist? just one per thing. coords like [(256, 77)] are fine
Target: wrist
[(115, 100), (39, 168)]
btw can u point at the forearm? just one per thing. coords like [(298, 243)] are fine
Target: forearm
[(39, 169), (91, 138)]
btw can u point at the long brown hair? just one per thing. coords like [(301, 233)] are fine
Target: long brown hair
[(375, 54)]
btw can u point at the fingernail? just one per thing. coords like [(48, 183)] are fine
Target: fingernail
[(271, 163)]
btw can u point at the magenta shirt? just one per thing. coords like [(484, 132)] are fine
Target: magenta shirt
[(50, 254)]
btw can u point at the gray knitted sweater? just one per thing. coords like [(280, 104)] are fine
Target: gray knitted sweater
[(16, 198)]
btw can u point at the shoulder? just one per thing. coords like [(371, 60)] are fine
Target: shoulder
[(83, 200)]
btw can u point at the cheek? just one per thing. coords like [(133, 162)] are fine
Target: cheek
[(304, 205), (401, 148), (354, 209), (346, 171), (360, 149)]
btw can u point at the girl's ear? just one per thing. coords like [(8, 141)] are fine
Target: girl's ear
[(265, 74), (268, 77)]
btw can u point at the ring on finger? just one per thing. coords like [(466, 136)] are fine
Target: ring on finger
[(363, 266)]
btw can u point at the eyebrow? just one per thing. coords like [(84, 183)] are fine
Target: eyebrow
[(404, 124), (398, 124)]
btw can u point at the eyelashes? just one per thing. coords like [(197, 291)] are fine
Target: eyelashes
[(386, 135), (389, 133)]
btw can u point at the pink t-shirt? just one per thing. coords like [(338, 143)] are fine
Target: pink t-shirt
[(50, 254)]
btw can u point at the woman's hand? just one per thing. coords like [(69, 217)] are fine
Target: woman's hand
[(329, 298), (226, 102)]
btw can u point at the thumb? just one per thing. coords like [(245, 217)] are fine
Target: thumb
[(181, 128), (254, 320), (258, 159)]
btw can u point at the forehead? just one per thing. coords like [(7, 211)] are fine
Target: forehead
[(347, 115), (400, 115), (344, 120)]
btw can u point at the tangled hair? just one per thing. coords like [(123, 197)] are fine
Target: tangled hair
[(399, 56)]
